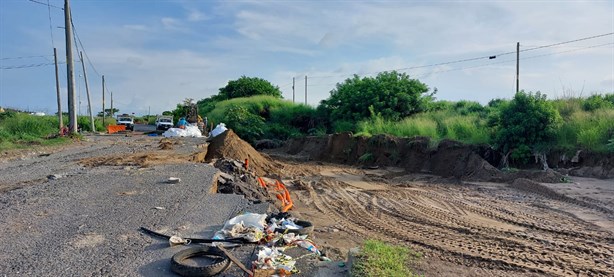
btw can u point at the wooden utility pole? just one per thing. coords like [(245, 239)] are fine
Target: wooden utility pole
[(87, 90), (57, 87), (292, 89), (305, 90), (517, 66), (72, 112), (112, 105), (103, 115)]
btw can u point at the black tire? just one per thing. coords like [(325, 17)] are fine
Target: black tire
[(220, 261), (306, 230)]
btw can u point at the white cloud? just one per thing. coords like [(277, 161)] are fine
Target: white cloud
[(197, 47), (195, 15)]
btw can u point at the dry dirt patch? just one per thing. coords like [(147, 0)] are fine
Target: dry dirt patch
[(137, 159), (494, 228)]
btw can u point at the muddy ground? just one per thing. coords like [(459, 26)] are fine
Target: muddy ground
[(464, 215)]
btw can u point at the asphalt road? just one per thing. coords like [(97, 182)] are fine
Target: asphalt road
[(86, 222), (144, 128)]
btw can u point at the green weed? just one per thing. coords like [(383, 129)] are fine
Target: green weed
[(381, 259)]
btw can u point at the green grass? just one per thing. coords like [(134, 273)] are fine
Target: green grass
[(437, 125), (381, 259), (587, 130), (19, 130), (281, 119)]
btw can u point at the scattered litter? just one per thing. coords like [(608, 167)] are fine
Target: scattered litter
[(220, 128), (274, 258), (173, 180), (249, 226), (176, 240), (54, 176), (189, 131)]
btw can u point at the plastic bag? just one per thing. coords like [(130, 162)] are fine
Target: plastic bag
[(220, 128)]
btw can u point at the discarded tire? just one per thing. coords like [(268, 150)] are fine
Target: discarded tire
[(306, 230), (219, 261)]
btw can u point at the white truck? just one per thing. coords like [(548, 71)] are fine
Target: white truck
[(164, 122), (126, 120)]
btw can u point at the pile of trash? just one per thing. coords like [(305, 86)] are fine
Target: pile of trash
[(188, 131), (275, 234)]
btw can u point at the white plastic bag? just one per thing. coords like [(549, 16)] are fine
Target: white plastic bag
[(220, 128)]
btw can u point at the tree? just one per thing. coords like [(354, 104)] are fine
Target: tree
[(526, 125), (248, 86), (108, 113), (393, 95)]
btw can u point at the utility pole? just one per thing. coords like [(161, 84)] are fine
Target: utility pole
[(87, 90), (305, 90), (72, 112), (57, 87), (112, 105), (292, 89), (517, 66), (103, 115)]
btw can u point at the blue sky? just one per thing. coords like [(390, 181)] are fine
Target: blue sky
[(155, 53)]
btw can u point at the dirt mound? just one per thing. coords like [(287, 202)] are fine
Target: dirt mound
[(228, 145), (449, 159), (454, 159), (547, 176), (139, 159), (534, 187)]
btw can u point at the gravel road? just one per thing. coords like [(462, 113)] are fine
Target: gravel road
[(85, 221)]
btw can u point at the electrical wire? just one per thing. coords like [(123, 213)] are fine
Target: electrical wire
[(469, 59), (29, 65), (87, 57), (490, 64), (50, 24), (46, 4), (26, 57)]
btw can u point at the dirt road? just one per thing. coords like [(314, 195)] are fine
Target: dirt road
[(107, 188), (63, 216), (482, 228)]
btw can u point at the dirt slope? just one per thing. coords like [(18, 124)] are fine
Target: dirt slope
[(228, 145)]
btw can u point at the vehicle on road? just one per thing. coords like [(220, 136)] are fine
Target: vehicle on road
[(126, 120), (164, 122)]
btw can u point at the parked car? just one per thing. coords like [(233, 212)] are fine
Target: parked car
[(126, 120), (164, 122)]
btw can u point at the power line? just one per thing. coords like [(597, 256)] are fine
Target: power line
[(46, 4), (470, 59), (566, 42), (50, 24), (87, 57), (26, 57), (513, 60), (499, 62), (29, 65)]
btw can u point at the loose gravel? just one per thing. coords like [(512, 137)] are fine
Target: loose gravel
[(85, 221)]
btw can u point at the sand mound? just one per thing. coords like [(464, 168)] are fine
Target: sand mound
[(228, 145), (534, 187), (454, 159)]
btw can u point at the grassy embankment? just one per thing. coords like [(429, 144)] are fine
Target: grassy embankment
[(21, 130), (583, 124), (580, 128)]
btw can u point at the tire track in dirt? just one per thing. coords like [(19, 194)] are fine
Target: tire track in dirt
[(469, 229)]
